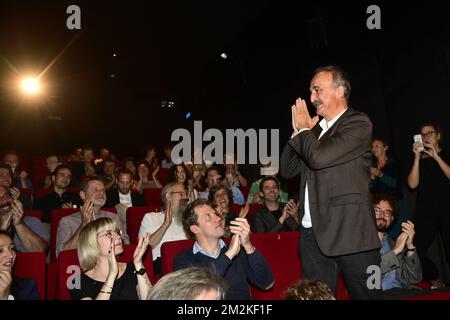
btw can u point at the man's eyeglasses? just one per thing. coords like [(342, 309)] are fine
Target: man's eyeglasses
[(181, 193), (109, 233), (385, 212), (427, 134)]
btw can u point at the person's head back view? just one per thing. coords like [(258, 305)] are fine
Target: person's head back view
[(309, 290), (189, 284)]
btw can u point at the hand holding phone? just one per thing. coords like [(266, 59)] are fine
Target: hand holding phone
[(418, 138)]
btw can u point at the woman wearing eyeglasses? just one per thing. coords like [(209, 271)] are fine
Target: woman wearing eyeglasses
[(104, 278), (430, 174)]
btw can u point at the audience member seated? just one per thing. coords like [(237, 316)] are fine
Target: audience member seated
[(129, 163), (385, 178), (60, 197), (400, 263), (198, 175), (274, 216), (238, 266), (213, 178), (6, 176), (144, 181), (107, 172), (232, 174), (77, 155), (166, 225), (94, 197), (21, 178), (104, 278), (179, 173), (430, 174), (309, 290), (11, 287), (86, 168), (189, 284), (105, 154), (122, 197), (167, 163), (151, 159), (52, 162), (255, 195), (220, 196), (28, 232)]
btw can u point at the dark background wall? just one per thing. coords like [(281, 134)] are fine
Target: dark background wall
[(171, 51)]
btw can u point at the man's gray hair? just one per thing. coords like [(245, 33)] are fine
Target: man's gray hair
[(340, 78), (168, 189)]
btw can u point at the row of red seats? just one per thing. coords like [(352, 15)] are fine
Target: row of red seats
[(280, 250), (134, 218)]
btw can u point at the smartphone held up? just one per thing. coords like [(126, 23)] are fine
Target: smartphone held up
[(418, 138)]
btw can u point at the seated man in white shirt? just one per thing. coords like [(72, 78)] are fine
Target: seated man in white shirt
[(166, 225), (122, 197)]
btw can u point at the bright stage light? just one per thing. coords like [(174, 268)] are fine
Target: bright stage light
[(30, 85)]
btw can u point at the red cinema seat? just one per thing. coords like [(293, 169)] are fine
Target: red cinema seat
[(39, 161), (52, 276), (31, 265), (42, 192), (168, 252), (280, 250), (134, 219), (68, 265), (56, 215), (38, 176), (153, 196), (162, 175), (342, 293), (26, 192), (251, 210), (33, 213), (245, 191)]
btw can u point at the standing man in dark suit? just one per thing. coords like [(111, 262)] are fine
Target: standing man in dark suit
[(338, 228)]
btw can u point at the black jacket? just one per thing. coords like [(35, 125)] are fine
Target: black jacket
[(112, 200)]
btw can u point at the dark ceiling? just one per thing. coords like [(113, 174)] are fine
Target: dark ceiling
[(170, 50)]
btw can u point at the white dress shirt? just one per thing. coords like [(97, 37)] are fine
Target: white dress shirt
[(153, 221), (125, 199), (306, 221)]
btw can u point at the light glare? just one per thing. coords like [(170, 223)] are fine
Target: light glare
[(30, 85)]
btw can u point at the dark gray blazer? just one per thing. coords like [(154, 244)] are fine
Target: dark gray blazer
[(264, 221), (337, 170), (408, 269)]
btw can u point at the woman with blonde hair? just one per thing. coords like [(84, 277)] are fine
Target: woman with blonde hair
[(104, 278)]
